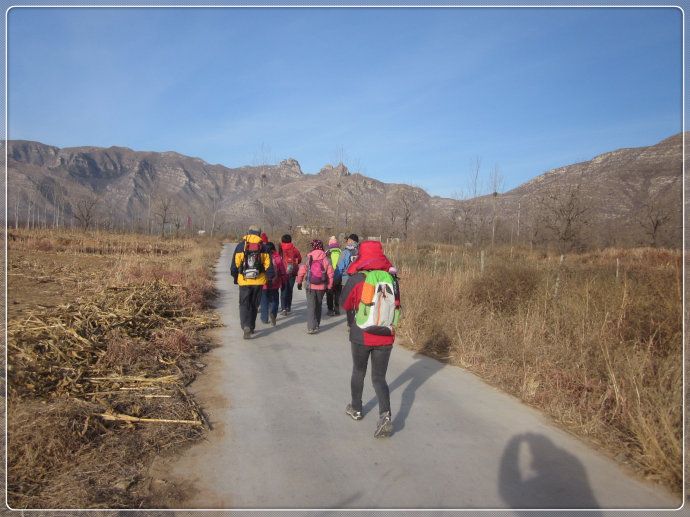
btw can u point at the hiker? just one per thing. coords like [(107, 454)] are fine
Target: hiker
[(348, 255), (333, 294), (317, 271), (251, 268), (371, 300), (291, 258), (270, 297)]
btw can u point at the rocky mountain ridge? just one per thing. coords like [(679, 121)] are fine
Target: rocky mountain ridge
[(131, 187)]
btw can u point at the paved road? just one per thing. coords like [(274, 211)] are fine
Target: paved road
[(281, 438)]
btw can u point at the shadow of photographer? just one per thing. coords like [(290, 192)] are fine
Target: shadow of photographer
[(534, 474)]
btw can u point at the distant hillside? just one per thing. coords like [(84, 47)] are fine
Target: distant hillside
[(620, 191), (49, 184)]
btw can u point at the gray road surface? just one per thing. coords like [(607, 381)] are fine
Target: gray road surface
[(281, 439)]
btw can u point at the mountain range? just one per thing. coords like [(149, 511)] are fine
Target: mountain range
[(617, 191)]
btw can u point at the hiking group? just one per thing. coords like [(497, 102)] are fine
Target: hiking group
[(359, 279)]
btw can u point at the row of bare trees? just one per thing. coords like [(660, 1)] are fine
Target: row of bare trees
[(160, 215)]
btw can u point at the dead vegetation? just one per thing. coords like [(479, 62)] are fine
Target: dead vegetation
[(594, 340), (97, 383)]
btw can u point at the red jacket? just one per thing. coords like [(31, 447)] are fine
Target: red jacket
[(370, 257), (289, 251), (281, 276)]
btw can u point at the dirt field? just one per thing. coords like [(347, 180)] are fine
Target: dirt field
[(104, 333)]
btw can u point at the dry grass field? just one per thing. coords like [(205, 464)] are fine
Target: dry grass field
[(594, 340), (104, 333)]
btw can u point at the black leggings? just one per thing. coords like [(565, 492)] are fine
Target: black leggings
[(379, 365)]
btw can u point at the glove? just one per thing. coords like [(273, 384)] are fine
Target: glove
[(299, 286), (234, 277)]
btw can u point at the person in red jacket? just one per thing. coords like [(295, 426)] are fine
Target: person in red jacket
[(291, 258), (270, 296), (365, 344)]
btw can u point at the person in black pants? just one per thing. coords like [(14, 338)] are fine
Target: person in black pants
[(365, 344), (251, 267)]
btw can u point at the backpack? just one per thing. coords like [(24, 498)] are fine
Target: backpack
[(350, 257), (379, 308), (252, 264), (289, 261), (317, 273), (334, 255)]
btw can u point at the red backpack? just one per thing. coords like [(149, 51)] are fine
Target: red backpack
[(290, 262)]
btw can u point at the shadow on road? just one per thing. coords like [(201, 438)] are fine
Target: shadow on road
[(298, 316), (417, 374), (537, 474)]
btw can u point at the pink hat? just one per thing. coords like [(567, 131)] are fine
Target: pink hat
[(333, 242)]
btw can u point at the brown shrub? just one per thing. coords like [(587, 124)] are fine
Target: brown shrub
[(45, 245), (174, 342), (127, 353), (503, 287), (41, 439), (600, 354), (61, 456)]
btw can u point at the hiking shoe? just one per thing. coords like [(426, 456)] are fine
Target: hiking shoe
[(284, 312), (246, 332), (311, 331), (384, 427), (351, 411), (273, 320)]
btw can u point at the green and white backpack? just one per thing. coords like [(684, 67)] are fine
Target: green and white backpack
[(379, 307)]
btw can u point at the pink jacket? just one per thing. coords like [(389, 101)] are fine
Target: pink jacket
[(281, 273), (313, 256)]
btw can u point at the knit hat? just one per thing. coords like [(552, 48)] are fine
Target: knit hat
[(333, 242), (316, 244), (353, 236)]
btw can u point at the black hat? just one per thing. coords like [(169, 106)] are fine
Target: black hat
[(353, 236)]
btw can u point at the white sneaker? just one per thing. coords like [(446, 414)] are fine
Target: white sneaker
[(384, 426)]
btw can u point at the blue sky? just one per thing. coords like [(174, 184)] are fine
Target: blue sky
[(409, 95)]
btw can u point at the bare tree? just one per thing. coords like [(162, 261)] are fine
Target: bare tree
[(85, 211), (215, 204), (564, 213), (470, 216), (392, 214), (409, 200), (16, 213), (163, 211), (496, 185), (176, 223), (652, 217)]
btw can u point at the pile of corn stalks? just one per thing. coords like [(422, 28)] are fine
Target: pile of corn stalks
[(59, 352)]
